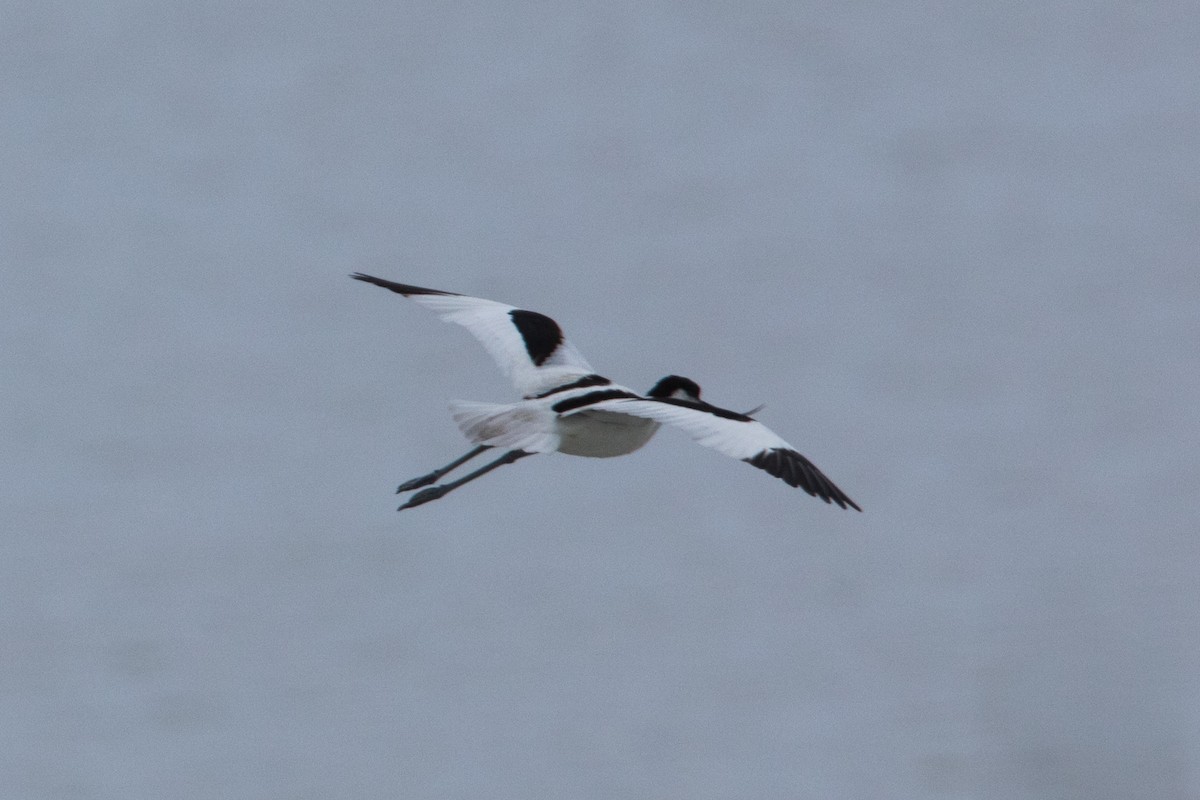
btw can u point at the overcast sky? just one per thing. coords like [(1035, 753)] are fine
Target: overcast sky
[(952, 247)]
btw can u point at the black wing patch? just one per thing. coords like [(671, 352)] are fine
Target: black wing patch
[(600, 395), (700, 405), (796, 470), (582, 383), (541, 334), (398, 288)]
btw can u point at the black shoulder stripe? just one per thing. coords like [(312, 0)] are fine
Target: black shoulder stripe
[(716, 411), (582, 383), (579, 401), (398, 288), (796, 470), (541, 334)]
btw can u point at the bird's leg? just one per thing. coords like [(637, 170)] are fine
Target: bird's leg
[(425, 480), (434, 492)]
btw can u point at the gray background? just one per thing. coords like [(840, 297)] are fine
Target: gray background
[(952, 246)]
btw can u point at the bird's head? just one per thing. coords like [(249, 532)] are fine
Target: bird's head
[(677, 387)]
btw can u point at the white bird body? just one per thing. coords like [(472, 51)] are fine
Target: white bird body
[(533, 425), (567, 408), (603, 434)]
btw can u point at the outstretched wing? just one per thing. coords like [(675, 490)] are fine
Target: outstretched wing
[(528, 347), (735, 435)]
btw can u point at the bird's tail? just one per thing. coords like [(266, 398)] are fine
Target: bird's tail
[(516, 426)]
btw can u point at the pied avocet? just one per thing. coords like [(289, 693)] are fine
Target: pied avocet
[(567, 408)]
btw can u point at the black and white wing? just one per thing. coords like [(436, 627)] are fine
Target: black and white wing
[(733, 434), (529, 347)]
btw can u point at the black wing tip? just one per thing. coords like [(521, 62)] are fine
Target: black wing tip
[(796, 470), (399, 288)]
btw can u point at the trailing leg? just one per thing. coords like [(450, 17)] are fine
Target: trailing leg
[(425, 480), (434, 492)]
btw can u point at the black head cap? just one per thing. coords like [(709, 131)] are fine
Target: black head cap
[(675, 386)]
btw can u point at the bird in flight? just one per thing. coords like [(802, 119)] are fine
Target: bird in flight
[(567, 408)]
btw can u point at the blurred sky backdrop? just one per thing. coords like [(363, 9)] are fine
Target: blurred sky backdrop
[(953, 247)]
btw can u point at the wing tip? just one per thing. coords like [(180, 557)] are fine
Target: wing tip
[(796, 470), (399, 288)]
